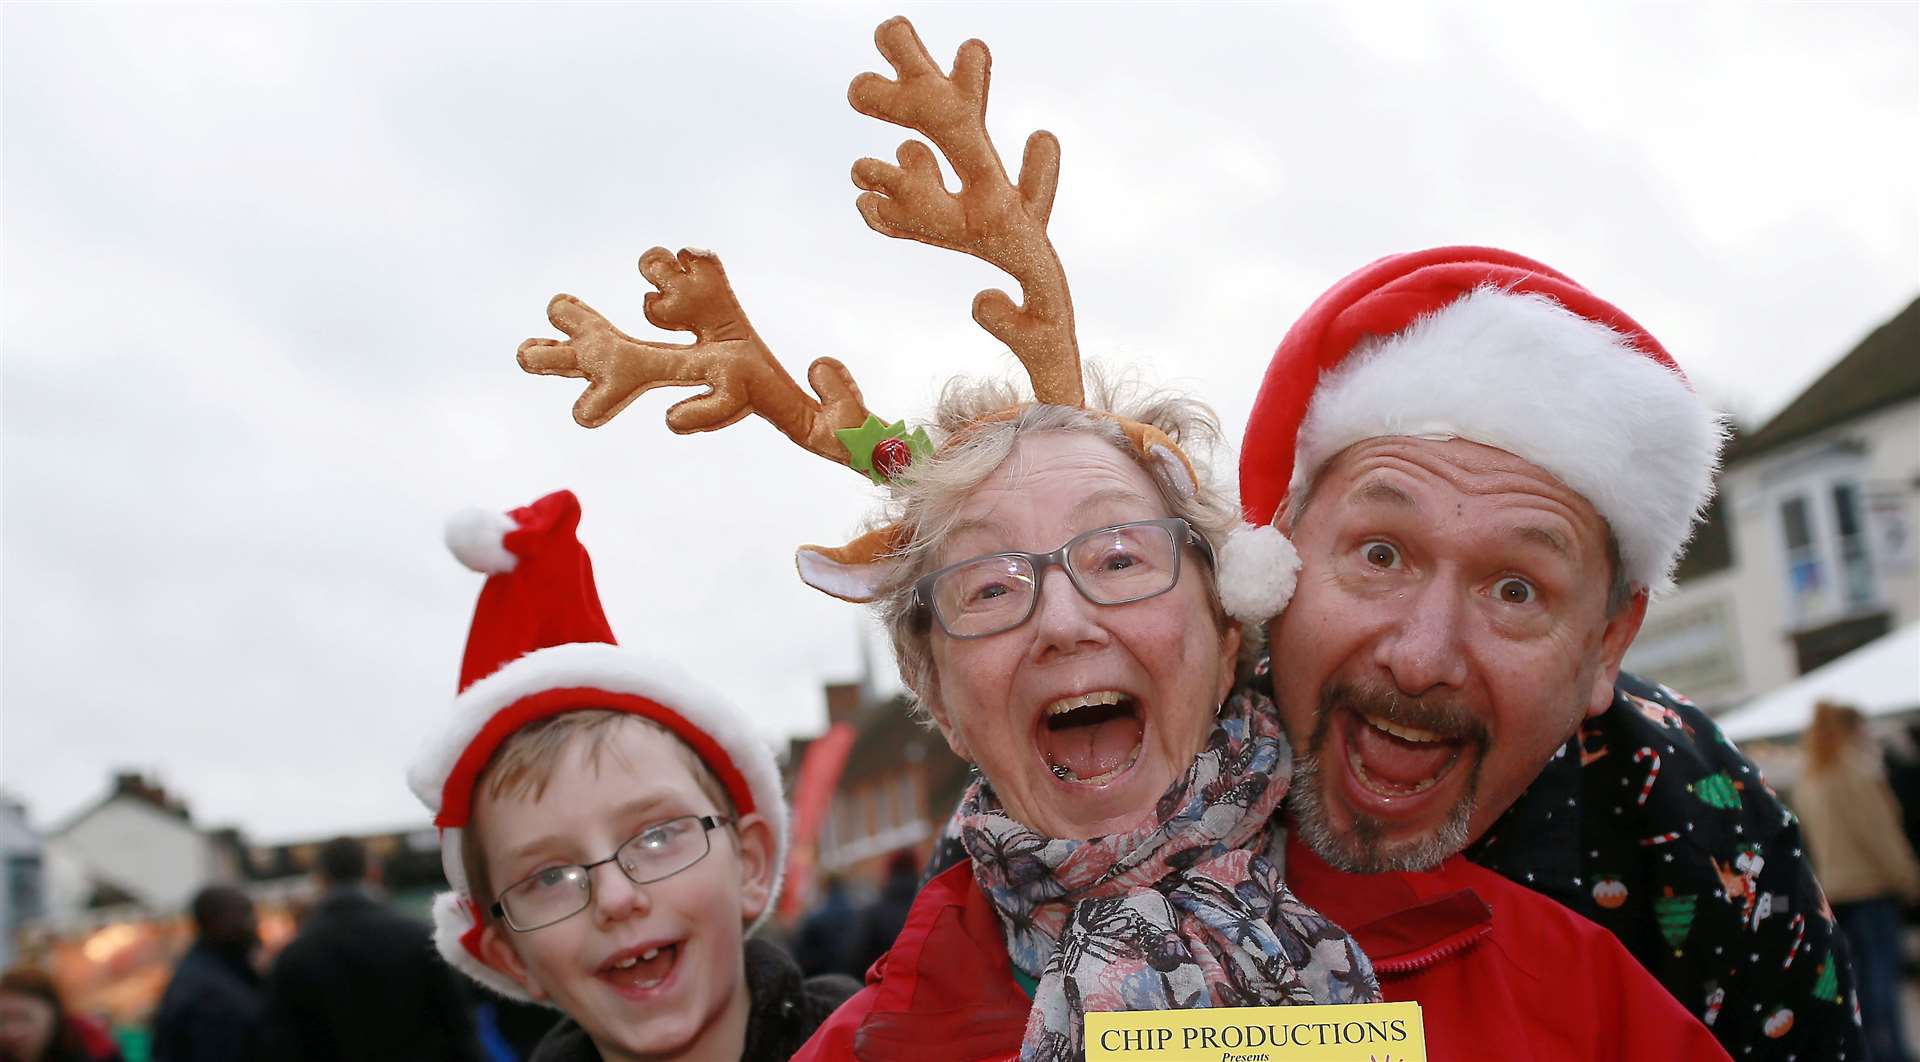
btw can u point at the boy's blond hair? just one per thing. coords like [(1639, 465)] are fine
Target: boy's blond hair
[(524, 765)]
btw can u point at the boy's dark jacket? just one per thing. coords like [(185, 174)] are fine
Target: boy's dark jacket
[(786, 1007)]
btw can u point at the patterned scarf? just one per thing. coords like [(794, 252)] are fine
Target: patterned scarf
[(1188, 910)]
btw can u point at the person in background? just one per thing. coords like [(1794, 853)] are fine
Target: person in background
[(1852, 825), (880, 921), (824, 944), (210, 1011), (361, 981), (35, 1025)]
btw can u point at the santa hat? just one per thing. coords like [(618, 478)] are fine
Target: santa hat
[(539, 647), (1485, 345)]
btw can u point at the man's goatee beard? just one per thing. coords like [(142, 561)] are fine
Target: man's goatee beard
[(1363, 849)]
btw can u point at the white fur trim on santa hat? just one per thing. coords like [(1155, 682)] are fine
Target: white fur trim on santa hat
[(1521, 373), (477, 537), (450, 923), (593, 665), (1258, 568)]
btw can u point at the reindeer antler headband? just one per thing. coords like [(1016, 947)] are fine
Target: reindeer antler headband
[(991, 217)]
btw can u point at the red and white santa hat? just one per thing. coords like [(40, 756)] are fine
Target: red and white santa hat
[(540, 646), (1485, 345)]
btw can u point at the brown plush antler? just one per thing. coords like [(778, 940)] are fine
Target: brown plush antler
[(990, 218), (727, 357)]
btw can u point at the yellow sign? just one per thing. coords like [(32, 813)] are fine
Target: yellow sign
[(1371, 1032)]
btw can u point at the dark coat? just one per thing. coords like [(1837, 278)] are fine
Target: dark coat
[(362, 982), (210, 1011), (785, 1008)]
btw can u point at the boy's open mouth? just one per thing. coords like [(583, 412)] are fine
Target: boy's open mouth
[(1091, 738), (639, 969)]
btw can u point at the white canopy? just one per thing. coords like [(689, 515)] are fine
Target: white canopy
[(1881, 677)]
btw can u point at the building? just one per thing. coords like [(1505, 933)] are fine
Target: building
[(135, 847), (895, 788), (1809, 551), (21, 879)]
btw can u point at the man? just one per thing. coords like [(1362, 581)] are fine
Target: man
[(361, 981), (1486, 470), (210, 1011)]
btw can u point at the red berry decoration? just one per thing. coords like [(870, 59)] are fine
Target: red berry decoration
[(892, 456)]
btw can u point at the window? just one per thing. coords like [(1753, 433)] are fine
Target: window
[(1856, 573), (1805, 584)]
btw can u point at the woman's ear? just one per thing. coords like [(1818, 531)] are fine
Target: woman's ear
[(930, 700), (498, 952), (1229, 661), (757, 847)]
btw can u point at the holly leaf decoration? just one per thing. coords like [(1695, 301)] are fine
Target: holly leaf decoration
[(868, 451)]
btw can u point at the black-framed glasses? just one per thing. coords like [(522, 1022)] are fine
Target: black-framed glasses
[(1114, 565), (558, 893)]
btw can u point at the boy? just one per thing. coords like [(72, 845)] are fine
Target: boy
[(611, 829)]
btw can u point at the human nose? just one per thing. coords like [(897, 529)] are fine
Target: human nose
[(1423, 648), (615, 896), (1063, 619)]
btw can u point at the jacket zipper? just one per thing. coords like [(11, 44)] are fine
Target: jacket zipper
[(1416, 963)]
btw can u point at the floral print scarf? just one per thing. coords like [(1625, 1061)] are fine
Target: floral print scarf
[(1187, 910)]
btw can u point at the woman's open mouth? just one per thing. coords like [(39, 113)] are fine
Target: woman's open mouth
[(1091, 738)]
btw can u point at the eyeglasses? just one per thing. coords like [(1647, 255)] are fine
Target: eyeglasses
[(1111, 566), (558, 893)]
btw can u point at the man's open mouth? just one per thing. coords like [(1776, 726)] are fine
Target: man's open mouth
[(1091, 738), (1394, 760), (639, 969)]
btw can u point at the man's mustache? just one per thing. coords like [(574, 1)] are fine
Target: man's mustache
[(1437, 713)]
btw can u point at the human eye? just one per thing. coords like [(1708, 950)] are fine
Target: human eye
[(1380, 554), (1513, 590), (549, 879), (662, 836), (988, 582)]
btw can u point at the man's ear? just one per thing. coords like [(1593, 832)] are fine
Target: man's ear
[(757, 847), (1615, 637), (499, 954)]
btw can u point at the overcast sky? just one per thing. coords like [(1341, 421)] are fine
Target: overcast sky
[(266, 269)]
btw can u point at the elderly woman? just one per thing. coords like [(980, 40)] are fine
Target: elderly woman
[(1057, 616), (1048, 573)]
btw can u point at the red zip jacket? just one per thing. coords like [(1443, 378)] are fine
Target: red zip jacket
[(1500, 971), (1533, 983)]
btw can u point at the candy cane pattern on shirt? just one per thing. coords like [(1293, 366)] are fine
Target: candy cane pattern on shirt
[(1799, 925), (1645, 753)]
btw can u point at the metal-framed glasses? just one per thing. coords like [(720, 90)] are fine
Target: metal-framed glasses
[(558, 893), (1114, 565)]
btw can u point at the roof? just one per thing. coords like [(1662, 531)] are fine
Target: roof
[(1879, 678), (1882, 370)]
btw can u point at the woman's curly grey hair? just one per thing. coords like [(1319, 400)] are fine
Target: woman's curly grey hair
[(925, 501)]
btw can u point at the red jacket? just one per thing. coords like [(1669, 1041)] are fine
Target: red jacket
[(1530, 984), (1500, 971)]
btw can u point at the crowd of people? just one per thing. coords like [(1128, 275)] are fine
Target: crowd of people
[(1357, 734)]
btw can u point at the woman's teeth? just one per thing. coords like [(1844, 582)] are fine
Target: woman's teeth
[(1085, 700)]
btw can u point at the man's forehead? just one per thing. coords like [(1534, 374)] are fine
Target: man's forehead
[(1406, 472)]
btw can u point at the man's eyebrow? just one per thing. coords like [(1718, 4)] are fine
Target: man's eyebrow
[(1382, 492), (1543, 536)]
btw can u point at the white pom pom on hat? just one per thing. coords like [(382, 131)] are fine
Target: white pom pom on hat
[(1258, 570)]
